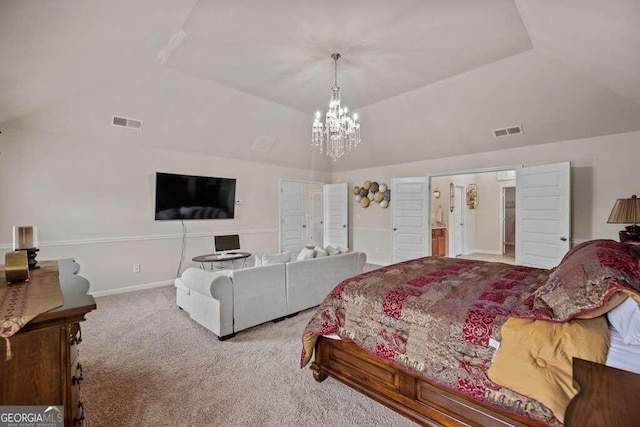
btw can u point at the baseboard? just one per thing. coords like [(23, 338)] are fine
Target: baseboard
[(131, 288), (378, 263)]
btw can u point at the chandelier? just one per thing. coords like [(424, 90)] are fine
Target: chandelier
[(340, 132)]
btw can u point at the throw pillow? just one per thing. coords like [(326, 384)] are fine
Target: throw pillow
[(331, 250), (625, 318), (276, 258), (320, 252), (306, 253), (585, 281), (342, 250)]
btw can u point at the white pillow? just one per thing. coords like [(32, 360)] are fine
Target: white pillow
[(331, 250), (276, 258), (343, 250), (625, 318), (320, 252), (258, 261), (306, 253)]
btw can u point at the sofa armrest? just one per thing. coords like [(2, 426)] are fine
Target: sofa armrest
[(209, 283), (362, 261)]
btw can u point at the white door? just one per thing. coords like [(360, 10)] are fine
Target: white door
[(317, 221), (543, 216), (336, 218), (410, 218), (292, 224)]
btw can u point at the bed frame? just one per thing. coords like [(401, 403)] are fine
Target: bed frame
[(431, 405)]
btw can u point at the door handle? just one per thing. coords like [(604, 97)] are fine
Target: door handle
[(344, 225), (395, 229), (304, 225), (564, 239)]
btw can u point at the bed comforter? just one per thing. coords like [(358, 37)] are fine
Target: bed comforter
[(437, 316)]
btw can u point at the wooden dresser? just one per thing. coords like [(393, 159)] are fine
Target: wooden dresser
[(45, 368)]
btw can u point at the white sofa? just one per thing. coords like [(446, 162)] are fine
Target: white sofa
[(226, 302)]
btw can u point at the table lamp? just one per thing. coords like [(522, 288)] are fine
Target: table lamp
[(627, 211)]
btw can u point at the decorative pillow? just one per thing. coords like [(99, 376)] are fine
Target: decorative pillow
[(625, 318), (579, 246), (331, 250), (320, 252), (342, 250), (306, 253), (535, 358), (584, 282), (276, 258)]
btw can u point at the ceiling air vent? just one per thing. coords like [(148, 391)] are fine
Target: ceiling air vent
[(126, 123), (508, 131)]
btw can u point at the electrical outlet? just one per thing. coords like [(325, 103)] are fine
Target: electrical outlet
[(136, 268)]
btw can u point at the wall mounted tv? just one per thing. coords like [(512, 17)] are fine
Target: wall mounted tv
[(194, 197)]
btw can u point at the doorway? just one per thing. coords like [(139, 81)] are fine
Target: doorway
[(509, 221), (474, 229)]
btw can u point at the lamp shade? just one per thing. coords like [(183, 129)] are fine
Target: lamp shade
[(625, 211)]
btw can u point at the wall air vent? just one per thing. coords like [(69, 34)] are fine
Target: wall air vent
[(126, 123), (508, 131)]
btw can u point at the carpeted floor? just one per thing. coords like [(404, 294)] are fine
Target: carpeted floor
[(147, 364)]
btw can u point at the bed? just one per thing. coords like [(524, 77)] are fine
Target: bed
[(458, 342)]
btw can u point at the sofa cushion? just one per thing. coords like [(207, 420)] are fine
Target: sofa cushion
[(331, 250), (320, 252), (306, 253), (280, 258)]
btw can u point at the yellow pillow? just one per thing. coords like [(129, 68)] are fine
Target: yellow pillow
[(535, 357)]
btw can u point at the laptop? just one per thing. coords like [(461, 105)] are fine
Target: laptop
[(226, 245)]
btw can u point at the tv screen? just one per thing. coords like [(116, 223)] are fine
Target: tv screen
[(194, 197)]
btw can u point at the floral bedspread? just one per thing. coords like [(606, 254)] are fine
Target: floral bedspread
[(435, 316)]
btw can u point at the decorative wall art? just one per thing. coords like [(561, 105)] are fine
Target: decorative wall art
[(472, 196), (372, 192)]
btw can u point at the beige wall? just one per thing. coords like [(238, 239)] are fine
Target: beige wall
[(93, 200), (602, 170)]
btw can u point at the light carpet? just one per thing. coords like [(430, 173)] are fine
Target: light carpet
[(147, 363)]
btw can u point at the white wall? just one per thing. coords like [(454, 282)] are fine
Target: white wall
[(602, 170), (93, 199)]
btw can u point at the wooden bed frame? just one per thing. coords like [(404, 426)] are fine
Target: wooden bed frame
[(613, 401)]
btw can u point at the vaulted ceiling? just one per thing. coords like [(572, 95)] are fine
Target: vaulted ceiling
[(428, 78)]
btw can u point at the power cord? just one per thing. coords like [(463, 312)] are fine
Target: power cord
[(184, 247)]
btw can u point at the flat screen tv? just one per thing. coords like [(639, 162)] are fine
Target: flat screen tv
[(194, 197)]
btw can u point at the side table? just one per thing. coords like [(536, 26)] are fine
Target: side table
[(215, 258)]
